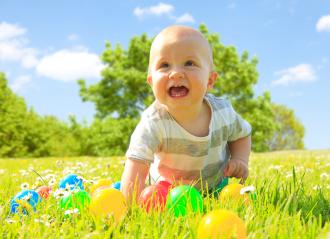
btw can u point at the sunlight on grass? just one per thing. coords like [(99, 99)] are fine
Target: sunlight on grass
[(293, 191)]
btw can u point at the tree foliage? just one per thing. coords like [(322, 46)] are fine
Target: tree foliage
[(122, 94), (23, 133), (123, 91), (290, 132)]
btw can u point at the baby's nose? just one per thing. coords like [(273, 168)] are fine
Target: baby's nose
[(176, 75)]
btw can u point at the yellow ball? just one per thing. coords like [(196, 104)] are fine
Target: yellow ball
[(221, 224), (108, 202), (233, 192), (101, 183)]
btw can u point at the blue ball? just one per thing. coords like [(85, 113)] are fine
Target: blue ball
[(116, 185), (24, 200), (71, 181)]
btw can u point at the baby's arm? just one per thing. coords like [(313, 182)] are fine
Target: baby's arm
[(238, 164), (133, 178)]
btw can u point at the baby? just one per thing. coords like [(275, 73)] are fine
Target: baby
[(186, 136)]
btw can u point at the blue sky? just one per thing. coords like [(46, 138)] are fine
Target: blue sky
[(45, 46)]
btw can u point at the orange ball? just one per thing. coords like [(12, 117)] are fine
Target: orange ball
[(221, 224), (108, 202)]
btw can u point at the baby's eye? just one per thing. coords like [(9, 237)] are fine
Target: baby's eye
[(164, 65), (189, 63)]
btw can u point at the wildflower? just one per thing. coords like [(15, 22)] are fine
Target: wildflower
[(289, 175), (247, 189), (325, 175), (317, 187), (27, 197), (10, 221), (47, 171), (96, 178), (276, 167), (50, 176), (67, 171), (309, 170), (59, 163), (23, 172), (2, 171), (52, 182), (92, 170), (71, 211), (90, 181), (46, 223), (59, 193), (81, 178), (81, 165), (24, 186)]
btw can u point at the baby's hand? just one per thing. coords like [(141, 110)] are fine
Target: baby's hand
[(237, 168)]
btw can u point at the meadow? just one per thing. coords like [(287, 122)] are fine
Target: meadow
[(292, 187)]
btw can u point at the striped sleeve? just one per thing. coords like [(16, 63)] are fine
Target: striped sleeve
[(145, 141), (239, 127)]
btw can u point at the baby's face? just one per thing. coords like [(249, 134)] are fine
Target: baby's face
[(180, 69)]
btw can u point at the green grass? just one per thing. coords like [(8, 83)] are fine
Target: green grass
[(293, 192)]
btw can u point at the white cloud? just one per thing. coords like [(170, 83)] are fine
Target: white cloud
[(185, 18), (157, 10), (323, 24), (163, 9), (296, 74), (20, 83), (70, 65), (8, 31), (13, 46)]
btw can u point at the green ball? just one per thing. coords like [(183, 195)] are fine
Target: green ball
[(79, 199), (184, 198)]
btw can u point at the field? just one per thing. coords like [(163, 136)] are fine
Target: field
[(293, 200)]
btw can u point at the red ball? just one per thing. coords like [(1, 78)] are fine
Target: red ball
[(153, 197), (167, 185), (44, 191)]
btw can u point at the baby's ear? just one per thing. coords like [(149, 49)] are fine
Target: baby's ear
[(212, 78), (149, 80)]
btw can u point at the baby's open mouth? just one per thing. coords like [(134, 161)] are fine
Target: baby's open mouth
[(178, 91)]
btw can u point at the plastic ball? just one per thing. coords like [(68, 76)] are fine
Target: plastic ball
[(44, 191), (99, 189), (221, 224), (116, 185), (100, 183), (25, 201), (153, 197), (108, 202), (233, 192), (79, 199), (167, 185), (183, 198), (223, 184), (71, 181)]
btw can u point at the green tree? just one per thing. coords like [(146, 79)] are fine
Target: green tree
[(123, 92), (290, 132), (13, 112), (237, 76), (23, 133)]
